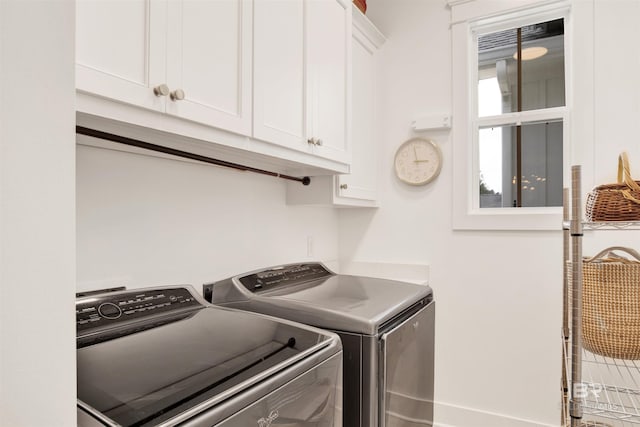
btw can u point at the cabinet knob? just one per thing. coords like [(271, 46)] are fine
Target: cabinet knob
[(314, 141), (177, 95), (161, 90), (343, 186)]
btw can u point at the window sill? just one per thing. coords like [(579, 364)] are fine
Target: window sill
[(508, 219)]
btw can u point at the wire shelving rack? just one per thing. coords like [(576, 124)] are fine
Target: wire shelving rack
[(597, 391)]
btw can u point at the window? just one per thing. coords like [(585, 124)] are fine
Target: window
[(510, 119), (520, 160)]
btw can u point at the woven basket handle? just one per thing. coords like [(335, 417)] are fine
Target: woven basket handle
[(624, 172), (624, 177), (603, 252)]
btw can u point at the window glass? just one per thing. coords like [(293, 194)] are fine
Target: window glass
[(489, 95), (521, 75), (539, 168), (539, 75)]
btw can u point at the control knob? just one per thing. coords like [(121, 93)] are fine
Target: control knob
[(109, 310)]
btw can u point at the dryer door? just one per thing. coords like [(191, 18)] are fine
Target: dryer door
[(406, 392)]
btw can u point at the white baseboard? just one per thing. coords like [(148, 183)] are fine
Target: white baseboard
[(448, 415)]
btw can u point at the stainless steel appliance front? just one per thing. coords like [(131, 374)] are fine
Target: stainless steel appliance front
[(163, 357), (386, 328), (406, 377), (388, 377)]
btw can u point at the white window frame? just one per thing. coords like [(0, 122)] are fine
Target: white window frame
[(471, 19)]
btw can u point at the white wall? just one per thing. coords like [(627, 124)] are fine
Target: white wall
[(37, 255), (499, 294), (616, 105), (147, 221)]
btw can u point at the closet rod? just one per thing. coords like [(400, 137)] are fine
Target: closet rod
[(179, 153)]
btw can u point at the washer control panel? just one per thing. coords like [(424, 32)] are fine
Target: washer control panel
[(110, 309), (284, 276)]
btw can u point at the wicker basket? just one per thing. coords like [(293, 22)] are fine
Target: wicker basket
[(361, 4), (616, 202), (611, 304)]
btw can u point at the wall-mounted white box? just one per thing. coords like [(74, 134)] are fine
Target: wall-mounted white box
[(432, 121)]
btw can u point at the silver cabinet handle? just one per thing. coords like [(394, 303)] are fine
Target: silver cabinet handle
[(343, 186), (161, 90), (177, 95), (314, 141)]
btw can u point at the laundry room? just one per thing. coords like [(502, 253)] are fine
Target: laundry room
[(250, 148)]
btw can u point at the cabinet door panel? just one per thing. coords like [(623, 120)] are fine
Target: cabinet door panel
[(329, 42), (361, 183), (279, 72), (209, 58), (120, 49)]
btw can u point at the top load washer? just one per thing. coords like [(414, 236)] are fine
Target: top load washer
[(165, 357), (386, 328)]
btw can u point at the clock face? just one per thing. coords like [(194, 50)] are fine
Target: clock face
[(418, 161)]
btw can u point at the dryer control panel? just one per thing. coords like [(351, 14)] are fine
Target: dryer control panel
[(285, 275), (108, 309)]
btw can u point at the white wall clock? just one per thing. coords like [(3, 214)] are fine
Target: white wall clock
[(418, 161)]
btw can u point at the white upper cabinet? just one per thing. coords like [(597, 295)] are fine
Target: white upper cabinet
[(359, 187), (267, 79), (328, 74), (361, 183), (301, 75), (188, 58), (209, 62), (279, 91), (120, 50)]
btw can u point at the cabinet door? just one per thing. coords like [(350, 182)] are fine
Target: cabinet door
[(209, 60), (279, 94), (361, 183), (120, 49), (328, 74)]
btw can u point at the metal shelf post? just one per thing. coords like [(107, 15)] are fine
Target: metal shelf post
[(575, 407)]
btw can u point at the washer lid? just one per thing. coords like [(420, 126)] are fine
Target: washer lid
[(341, 302), (151, 372)]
